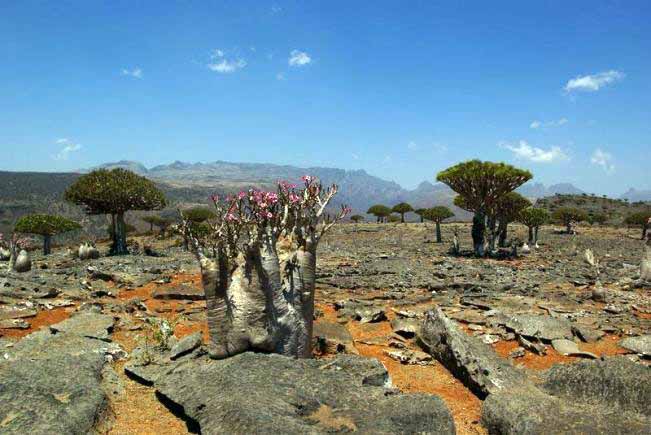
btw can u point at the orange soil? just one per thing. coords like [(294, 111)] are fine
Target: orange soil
[(607, 346), (431, 379), (42, 319)]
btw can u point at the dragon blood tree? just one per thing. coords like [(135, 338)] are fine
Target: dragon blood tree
[(47, 226), (115, 192), (260, 285)]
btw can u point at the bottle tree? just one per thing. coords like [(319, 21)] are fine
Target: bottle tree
[(115, 192), (379, 211), (260, 286), (157, 221), (437, 215), (507, 210), (197, 218), (357, 218), (481, 185), (401, 209), (640, 219), (45, 225), (533, 218), (569, 216), (419, 212)]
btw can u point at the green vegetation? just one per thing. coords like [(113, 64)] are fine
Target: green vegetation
[(158, 221), (481, 185), (380, 212), (357, 218), (419, 212), (568, 216), (437, 214), (533, 218), (508, 209), (640, 219), (45, 225), (198, 214), (115, 192), (393, 219), (401, 209)]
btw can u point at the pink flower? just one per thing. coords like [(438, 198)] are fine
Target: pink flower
[(230, 217), (241, 195), (307, 178), (294, 198), (214, 198)]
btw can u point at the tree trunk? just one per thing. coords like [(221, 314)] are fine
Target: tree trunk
[(378, 219), (478, 230), (262, 300), (422, 219), (502, 231), (568, 227), (644, 230), (47, 242), (438, 232), (535, 235), (492, 234), (151, 227), (531, 240), (119, 246), (402, 218)]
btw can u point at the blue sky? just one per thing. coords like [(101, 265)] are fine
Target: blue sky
[(400, 89)]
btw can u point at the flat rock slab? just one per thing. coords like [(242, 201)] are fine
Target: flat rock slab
[(470, 360), (91, 325), (183, 292), (601, 396), (640, 345), (17, 313), (257, 393), (51, 383), (331, 337), (542, 327)]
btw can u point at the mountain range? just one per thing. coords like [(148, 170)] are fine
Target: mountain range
[(358, 189)]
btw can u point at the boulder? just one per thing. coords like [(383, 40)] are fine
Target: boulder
[(407, 328), (640, 344), (541, 327), (186, 345), (182, 291), (23, 262), (52, 383), (86, 324), (331, 338), (259, 393), (473, 362), (601, 396)]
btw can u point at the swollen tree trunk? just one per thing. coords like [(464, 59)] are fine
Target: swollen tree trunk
[(478, 231), (262, 300), (535, 235), (47, 244), (119, 246), (531, 240), (492, 234), (438, 232)]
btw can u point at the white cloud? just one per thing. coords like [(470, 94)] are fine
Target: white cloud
[(67, 149), (227, 66), (355, 156), (280, 76), (224, 65), (412, 146), (275, 9), (594, 82), (135, 73), (540, 124), (299, 58), (524, 151), (603, 159)]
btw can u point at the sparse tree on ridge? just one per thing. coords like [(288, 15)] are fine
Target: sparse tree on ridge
[(640, 219), (533, 218), (357, 218), (45, 225), (481, 185), (437, 215), (569, 216), (379, 211), (115, 192), (401, 209), (419, 212)]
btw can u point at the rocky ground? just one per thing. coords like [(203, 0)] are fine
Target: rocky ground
[(526, 345)]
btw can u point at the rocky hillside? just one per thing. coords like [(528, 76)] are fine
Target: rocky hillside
[(614, 209)]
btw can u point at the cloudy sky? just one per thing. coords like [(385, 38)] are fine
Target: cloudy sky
[(400, 89)]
